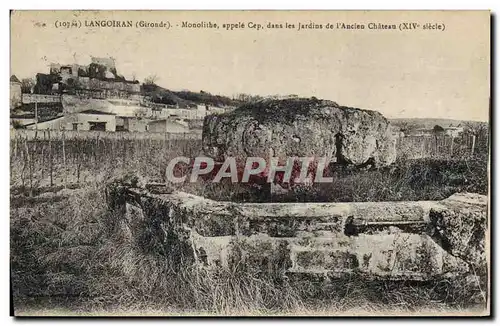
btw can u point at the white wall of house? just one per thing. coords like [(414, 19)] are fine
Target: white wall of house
[(454, 132), (167, 126), (132, 124), (83, 121)]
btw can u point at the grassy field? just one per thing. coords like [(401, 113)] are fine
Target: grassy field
[(66, 255)]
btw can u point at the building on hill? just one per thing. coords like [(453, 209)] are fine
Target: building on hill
[(99, 79), (131, 124), (91, 120), (107, 62), (453, 131), (15, 92), (167, 126), (67, 71), (95, 88)]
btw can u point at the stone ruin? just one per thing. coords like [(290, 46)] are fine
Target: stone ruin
[(416, 241), (419, 240)]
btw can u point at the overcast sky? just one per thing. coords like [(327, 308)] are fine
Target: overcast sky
[(401, 74)]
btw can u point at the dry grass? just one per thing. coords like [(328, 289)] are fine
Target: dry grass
[(407, 180), (67, 255)]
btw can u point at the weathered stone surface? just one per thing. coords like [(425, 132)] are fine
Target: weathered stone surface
[(300, 127), (461, 225), (390, 240)]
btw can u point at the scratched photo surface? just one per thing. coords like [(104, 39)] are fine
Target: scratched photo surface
[(250, 163)]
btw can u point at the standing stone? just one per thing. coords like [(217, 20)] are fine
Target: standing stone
[(300, 127)]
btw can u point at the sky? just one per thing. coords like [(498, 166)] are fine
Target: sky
[(402, 74)]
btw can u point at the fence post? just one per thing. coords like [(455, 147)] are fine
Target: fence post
[(124, 150), (451, 146), (75, 146), (50, 158), (43, 157), (96, 148), (15, 147), (64, 157), (30, 168), (473, 144)]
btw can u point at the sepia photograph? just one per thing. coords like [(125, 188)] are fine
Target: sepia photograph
[(250, 163)]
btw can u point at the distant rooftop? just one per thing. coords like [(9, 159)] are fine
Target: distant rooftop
[(14, 79), (92, 111)]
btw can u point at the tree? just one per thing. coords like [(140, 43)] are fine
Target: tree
[(404, 126), (27, 85), (16, 124), (438, 129), (151, 80)]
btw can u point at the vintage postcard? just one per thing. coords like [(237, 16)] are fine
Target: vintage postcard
[(250, 163)]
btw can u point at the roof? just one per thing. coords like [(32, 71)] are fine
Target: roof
[(14, 79), (120, 115), (48, 120), (92, 111), (169, 122)]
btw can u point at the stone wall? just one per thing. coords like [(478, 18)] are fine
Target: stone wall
[(96, 84), (41, 98), (377, 240)]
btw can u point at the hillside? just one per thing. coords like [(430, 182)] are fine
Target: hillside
[(183, 99)]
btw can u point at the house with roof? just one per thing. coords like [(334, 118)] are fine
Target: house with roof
[(99, 79), (167, 126), (454, 131), (91, 120), (106, 62), (131, 123), (15, 92)]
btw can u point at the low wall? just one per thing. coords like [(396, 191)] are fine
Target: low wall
[(40, 98), (389, 240)]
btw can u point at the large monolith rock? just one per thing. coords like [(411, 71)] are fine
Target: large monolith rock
[(300, 127)]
